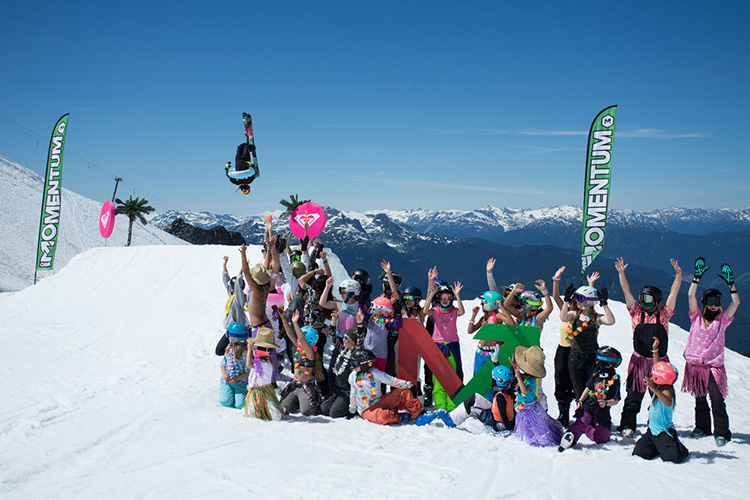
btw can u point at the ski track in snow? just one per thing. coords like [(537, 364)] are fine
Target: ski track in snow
[(110, 387)]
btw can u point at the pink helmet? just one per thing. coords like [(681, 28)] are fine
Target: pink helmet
[(384, 305), (664, 373)]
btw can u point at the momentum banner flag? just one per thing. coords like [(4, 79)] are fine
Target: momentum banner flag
[(50, 218), (596, 184)]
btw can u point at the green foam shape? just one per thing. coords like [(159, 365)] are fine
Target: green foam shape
[(510, 336)]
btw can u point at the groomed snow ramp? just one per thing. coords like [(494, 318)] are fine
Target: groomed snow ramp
[(110, 386)]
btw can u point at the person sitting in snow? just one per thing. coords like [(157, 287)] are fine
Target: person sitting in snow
[(366, 396)]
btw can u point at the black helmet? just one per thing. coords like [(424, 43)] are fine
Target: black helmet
[(362, 276), (608, 358), (412, 291), (711, 297), (650, 297), (384, 278), (364, 358)]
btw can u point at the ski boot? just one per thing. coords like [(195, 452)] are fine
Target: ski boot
[(425, 418), (721, 441), (697, 433), (564, 418), (566, 442)]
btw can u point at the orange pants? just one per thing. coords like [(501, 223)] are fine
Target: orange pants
[(386, 411)]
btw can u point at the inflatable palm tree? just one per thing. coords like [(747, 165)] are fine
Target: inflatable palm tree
[(133, 208)]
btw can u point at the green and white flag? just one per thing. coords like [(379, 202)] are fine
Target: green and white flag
[(50, 218), (596, 184)]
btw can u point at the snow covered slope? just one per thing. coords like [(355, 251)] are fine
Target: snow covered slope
[(109, 387), (20, 205)]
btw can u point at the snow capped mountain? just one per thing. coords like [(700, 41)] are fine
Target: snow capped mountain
[(203, 220), (20, 205)]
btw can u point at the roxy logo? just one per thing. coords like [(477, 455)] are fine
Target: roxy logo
[(306, 219), (104, 219)]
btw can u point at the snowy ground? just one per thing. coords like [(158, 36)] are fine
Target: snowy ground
[(20, 206), (109, 387)]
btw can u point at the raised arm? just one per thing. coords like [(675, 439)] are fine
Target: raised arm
[(324, 302), (490, 277), (391, 282), (620, 265), (556, 287), (608, 318), (254, 288), (327, 268), (427, 307), (289, 329), (675, 289), (457, 286), (565, 313), (728, 277), (542, 287)]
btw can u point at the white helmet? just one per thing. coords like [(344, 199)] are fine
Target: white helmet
[(587, 296), (350, 287)]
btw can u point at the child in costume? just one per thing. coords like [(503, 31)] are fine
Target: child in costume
[(526, 305), (660, 439), (347, 307), (582, 332), (303, 393), (234, 368), (261, 401), (378, 323), (533, 425), (648, 320), (366, 396), (602, 391), (479, 415), (493, 313), (336, 404), (445, 333), (705, 374)]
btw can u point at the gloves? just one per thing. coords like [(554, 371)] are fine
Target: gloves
[(603, 296), (569, 292), (305, 243), (700, 268), (352, 410), (726, 275), (405, 385)]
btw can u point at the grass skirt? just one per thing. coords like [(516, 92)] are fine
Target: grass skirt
[(535, 427), (262, 402)]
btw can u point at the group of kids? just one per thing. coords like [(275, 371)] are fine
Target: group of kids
[(284, 309)]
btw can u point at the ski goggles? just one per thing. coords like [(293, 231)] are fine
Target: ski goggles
[(647, 299), (409, 297), (294, 256), (533, 304), (583, 298), (713, 301), (446, 295)]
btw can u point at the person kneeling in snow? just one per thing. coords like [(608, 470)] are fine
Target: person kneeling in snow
[(366, 397), (479, 415)]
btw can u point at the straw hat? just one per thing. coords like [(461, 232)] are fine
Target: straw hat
[(531, 360), (264, 338), (260, 274)]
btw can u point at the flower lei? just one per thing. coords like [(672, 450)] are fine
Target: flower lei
[(365, 399), (343, 361), (600, 393), (573, 333), (516, 404)]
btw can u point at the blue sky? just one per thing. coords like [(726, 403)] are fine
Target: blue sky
[(366, 105)]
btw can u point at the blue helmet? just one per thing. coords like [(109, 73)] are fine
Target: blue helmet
[(311, 334), (238, 331), (490, 300), (502, 376)]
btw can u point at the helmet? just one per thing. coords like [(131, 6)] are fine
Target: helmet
[(350, 288), (363, 358), (664, 373), (711, 297), (490, 299), (245, 188), (382, 305), (532, 299), (608, 357), (384, 278), (438, 282), (650, 297), (413, 292), (362, 276), (238, 331), (311, 334), (502, 376), (507, 289), (587, 296), (298, 268)]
